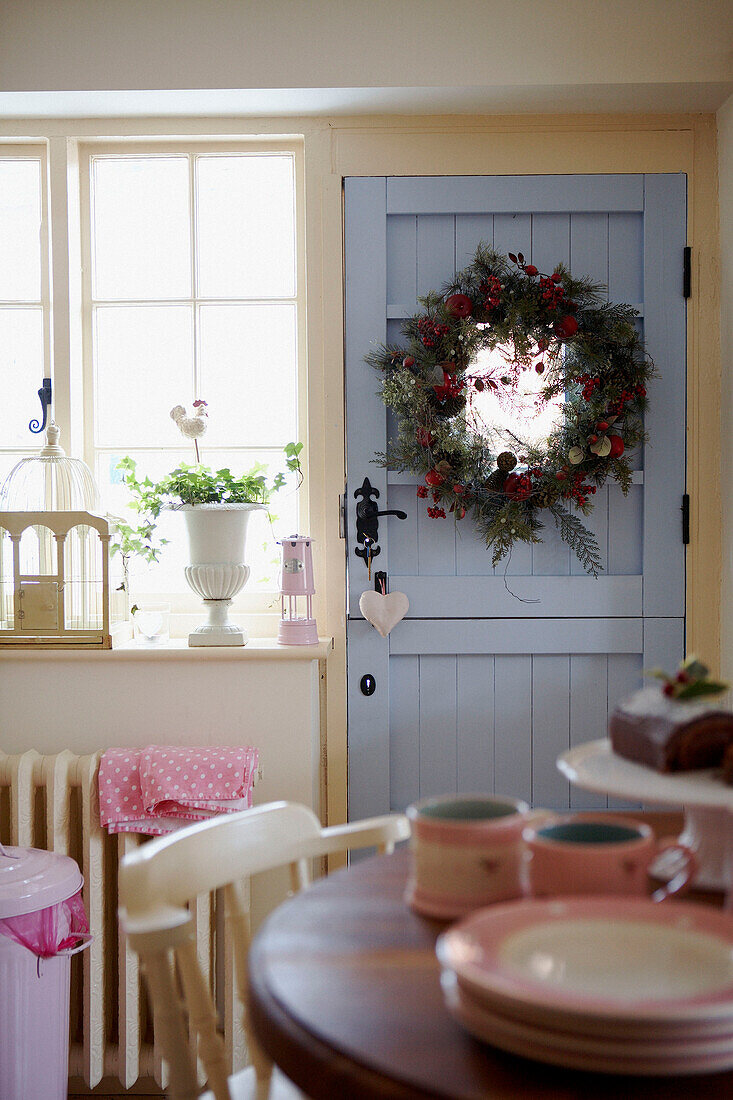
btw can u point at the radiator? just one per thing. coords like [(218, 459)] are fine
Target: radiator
[(52, 802)]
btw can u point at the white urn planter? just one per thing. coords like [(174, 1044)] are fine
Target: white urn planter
[(217, 536)]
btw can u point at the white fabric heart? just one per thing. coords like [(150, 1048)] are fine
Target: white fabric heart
[(384, 612)]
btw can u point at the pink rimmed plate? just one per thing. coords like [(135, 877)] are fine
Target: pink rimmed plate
[(541, 1046), (605, 957)]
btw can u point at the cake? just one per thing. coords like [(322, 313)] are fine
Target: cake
[(673, 727), (728, 765)]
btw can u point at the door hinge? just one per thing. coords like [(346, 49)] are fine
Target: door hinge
[(686, 272), (685, 518), (342, 515)]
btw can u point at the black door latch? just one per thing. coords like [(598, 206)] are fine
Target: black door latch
[(367, 520)]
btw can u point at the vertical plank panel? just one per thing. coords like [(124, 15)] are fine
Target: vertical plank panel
[(550, 729), (404, 710), (475, 724), (403, 544), (436, 543), (589, 246), (436, 243), (402, 261), (513, 233), (550, 241), (472, 557), (550, 246), (472, 230), (626, 258), (588, 715), (625, 525), (513, 726), (435, 266), (551, 557), (597, 524), (624, 677), (437, 725)]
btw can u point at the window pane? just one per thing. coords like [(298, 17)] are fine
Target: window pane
[(246, 226), (141, 231), (21, 372), (167, 575), (20, 227), (143, 367), (514, 410), (262, 553), (248, 373), (8, 459)]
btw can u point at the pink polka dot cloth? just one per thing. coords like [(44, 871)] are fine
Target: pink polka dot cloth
[(161, 788)]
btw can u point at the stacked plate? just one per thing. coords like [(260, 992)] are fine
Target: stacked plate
[(608, 984)]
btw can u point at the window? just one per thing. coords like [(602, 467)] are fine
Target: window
[(24, 298), (191, 290)]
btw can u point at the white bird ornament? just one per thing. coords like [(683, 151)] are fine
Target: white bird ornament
[(194, 426)]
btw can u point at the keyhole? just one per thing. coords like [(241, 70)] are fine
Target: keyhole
[(368, 684)]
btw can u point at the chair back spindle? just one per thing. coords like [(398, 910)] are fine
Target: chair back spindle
[(160, 883)]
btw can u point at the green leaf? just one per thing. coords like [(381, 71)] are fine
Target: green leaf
[(695, 669), (700, 688)]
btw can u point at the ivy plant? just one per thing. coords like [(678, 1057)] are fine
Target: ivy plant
[(189, 485)]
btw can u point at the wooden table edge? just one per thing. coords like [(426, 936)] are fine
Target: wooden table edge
[(317, 1068)]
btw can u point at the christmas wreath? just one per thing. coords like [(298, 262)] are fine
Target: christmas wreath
[(589, 364)]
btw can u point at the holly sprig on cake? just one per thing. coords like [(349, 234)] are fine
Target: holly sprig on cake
[(690, 681)]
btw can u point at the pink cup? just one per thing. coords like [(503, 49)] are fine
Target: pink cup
[(590, 854), (467, 852)]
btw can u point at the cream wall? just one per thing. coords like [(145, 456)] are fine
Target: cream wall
[(725, 185), (472, 145), (132, 44)]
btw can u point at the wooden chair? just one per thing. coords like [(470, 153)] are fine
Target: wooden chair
[(158, 879)]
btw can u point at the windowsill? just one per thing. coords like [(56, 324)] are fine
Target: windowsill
[(178, 649)]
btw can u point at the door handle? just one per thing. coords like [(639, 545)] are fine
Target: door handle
[(367, 520)]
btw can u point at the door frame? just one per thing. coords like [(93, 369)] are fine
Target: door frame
[(513, 145)]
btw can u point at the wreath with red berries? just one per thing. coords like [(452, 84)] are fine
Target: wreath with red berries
[(592, 364)]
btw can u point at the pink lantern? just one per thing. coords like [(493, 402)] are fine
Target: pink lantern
[(296, 581)]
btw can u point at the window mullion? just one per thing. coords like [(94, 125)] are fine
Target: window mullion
[(194, 275), (57, 311)]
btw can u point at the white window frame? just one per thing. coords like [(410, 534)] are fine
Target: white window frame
[(36, 151), (187, 602)]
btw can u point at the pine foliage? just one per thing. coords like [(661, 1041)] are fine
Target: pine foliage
[(587, 350)]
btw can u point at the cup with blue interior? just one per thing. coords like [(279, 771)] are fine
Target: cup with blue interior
[(592, 854), (467, 852)]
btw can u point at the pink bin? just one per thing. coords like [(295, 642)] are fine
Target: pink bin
[(42, 923)]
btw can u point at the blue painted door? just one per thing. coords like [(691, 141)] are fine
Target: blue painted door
[(475, 690)]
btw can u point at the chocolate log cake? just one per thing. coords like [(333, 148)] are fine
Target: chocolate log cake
[(668, 734)]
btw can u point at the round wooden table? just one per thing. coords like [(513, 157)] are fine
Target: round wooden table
[(345, 998)]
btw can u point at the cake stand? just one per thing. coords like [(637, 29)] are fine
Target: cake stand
[(707, 802)]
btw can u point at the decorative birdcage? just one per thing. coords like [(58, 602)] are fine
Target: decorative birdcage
[(54, 554)]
